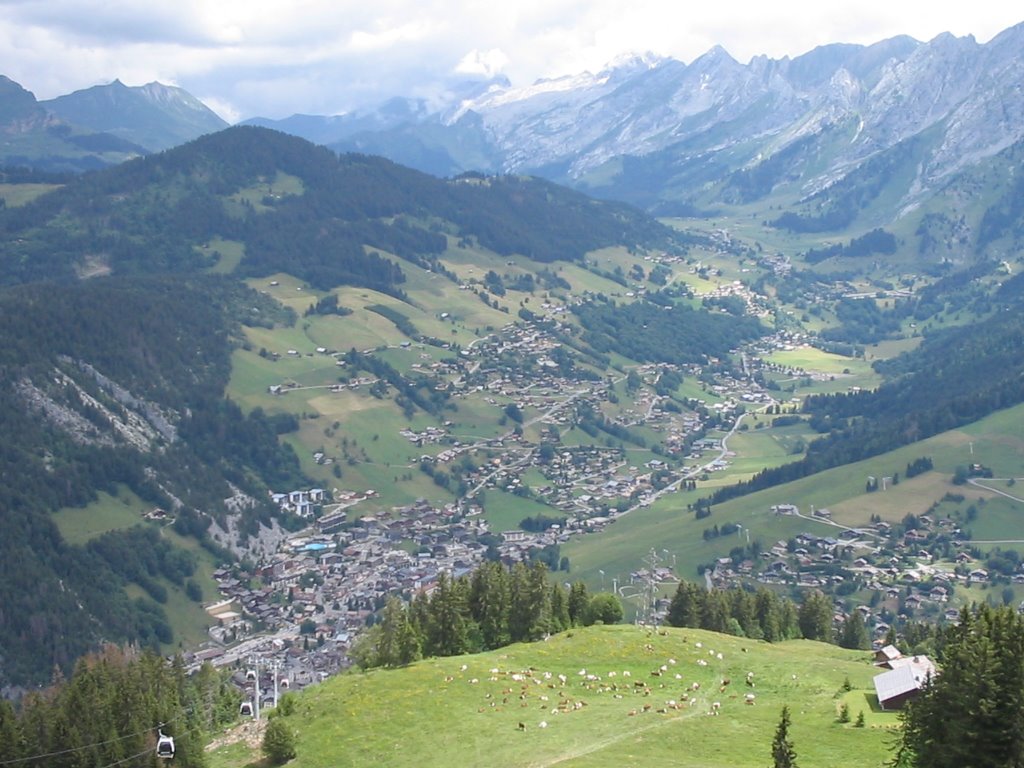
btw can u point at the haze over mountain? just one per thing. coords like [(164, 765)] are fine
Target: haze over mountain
[(97, 127), (650, 130), (660, 133), (154, 116)]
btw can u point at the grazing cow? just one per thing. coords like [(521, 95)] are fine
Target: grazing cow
[(626, 673), (699, 644), (522, 726), (542, 724), (749, 698)]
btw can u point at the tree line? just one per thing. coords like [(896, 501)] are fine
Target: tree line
[(971, 712), (490, 608), (110, 712), (954, 377)]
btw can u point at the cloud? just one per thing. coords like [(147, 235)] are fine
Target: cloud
[(486, 63)]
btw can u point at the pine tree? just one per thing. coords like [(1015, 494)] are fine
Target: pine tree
[(766, 611), (278, 742), (715, 615), (10, 733), (447, 633), (815, 617), (579, 600), (489, 604), (687, 605), (559, 608), (783, 754), (973, 712), (890, 636), (854, 635)]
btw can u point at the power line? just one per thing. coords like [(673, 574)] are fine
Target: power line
[(68, 751)]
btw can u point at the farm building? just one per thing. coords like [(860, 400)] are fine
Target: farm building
[(904, 681)]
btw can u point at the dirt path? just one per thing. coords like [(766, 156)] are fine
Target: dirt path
[(603, 743), (250, 732)]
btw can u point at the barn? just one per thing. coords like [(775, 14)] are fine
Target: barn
[(904, 681)]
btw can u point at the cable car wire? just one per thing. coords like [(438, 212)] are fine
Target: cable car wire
[(68, 751)]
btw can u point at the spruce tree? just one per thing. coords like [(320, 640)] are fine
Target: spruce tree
[(783, 754), (854, 635), (278, 742), (559, 609), (687, 605), (973, 712), (766, 611), (815, 617), (579, 600)]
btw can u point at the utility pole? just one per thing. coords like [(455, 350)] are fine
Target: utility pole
[(255, 662), (651, 593), (275, 665)]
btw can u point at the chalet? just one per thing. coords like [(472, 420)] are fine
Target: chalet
[(885, 656), (939, 594), (903, 682)]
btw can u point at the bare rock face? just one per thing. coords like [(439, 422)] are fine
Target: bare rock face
[(961, 101)]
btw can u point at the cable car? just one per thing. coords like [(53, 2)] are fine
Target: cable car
[(164, 745), (250, 674), (245, 708)]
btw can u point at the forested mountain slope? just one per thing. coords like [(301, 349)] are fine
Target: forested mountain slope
[(300, 209), (116, 341)]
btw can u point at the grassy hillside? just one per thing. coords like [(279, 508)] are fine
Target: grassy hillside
[(466, 711), (993, 441)]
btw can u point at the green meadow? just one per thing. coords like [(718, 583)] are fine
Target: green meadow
[(471, 711)]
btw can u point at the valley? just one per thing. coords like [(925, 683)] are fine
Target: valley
[(641, 415), (598, 466)]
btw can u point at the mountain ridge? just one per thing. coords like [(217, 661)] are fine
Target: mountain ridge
[(851, 101)]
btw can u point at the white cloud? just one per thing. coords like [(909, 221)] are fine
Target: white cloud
[(486, 63), (225, 110)]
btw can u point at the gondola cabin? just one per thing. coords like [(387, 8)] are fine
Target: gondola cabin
[(165, 746), (245, 709)]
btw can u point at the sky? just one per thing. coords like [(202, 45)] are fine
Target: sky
[(274, 58)]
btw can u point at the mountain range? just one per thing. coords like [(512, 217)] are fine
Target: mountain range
[(670, 137), (674, 137), (97, 127)]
